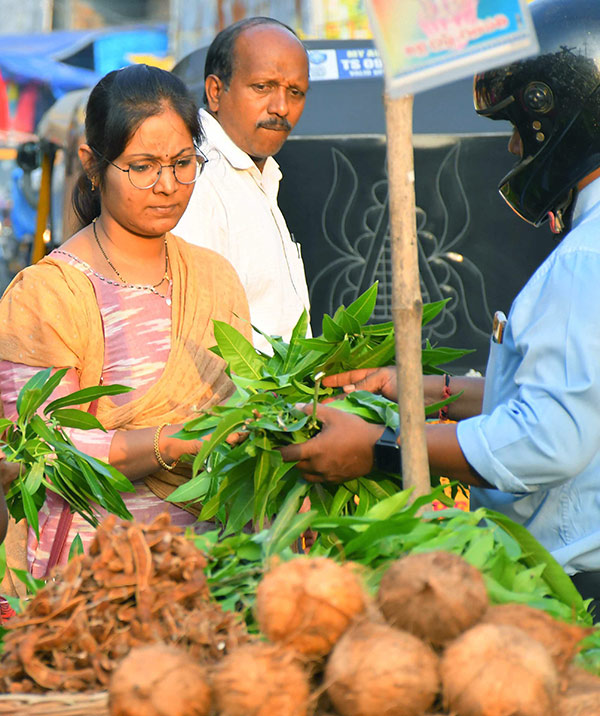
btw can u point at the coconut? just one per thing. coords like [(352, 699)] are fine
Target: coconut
[(582, 696), (579, 679), (261, 680), (307, 604), (579, 704), (159, 680), (375, 670), (433, 595), (560, 639), (498, 670)]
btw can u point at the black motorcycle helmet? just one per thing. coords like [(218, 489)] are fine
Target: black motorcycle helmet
[(553, 100)]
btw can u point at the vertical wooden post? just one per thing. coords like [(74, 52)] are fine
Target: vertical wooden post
[(407, 303), (38, 250)]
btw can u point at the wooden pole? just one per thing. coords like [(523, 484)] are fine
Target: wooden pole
[(407, 303), (38, 250)]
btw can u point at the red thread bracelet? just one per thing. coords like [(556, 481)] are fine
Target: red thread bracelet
[(446, 393)]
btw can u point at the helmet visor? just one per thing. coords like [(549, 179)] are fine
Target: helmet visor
[(518, 192), (489, 95)]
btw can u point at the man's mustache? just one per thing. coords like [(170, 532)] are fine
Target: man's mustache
[(275, 124)]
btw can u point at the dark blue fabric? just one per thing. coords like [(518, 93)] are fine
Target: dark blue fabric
[(42, 56)]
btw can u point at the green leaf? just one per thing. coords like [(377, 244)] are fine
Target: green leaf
[(347, 322), (382, 354), (52, 383), (431, 310), (104, 493), (294, 350), (73, 418), (331, 330), (29, 398), (337, 358), (33, 478), (535, 553), (317, 345), (194, 489), (285, 525), (86, 395), (389, 506), (237, 350), (33, 585), (45, 431), (341, 498), (76, 547), (240, 508), (5, 423), (527, 580), (232, 483), (118, 481), (362, 308), (3, 563), (435, 407), (439, 356), (68, 482), (263, 468), (228, 424), (384, 410), (31, 513), (378, 329), (478, 552)]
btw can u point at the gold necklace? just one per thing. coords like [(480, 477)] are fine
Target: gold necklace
[(151, 288)]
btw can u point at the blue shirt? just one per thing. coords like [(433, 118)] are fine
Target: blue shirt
[(538, 438)]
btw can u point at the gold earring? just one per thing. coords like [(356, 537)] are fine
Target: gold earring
[(93, 181)]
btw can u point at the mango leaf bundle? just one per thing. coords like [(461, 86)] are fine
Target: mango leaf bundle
[(248, 482), (515, 566), (48, 459)]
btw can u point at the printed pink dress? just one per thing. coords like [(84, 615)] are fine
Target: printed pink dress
[(137, 335)]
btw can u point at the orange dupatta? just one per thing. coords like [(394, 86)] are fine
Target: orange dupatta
[(49, 316)]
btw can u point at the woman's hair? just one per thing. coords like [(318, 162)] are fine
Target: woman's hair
[(117, 106)]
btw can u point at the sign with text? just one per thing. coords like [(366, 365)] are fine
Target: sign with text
[(426, 43), (344, 63)]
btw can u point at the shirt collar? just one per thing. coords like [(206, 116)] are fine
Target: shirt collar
[(216, 136), (587, 199)]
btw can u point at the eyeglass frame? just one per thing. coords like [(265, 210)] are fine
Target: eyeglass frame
[(201, 160)]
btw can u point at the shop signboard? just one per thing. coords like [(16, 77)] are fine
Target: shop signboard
[(427, 43)]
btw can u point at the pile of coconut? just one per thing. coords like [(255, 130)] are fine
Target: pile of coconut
[(428, 643)]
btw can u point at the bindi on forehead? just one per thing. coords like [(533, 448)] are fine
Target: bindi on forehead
[(163, 135)]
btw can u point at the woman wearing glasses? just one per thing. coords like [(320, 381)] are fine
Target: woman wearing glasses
[(123, 301)]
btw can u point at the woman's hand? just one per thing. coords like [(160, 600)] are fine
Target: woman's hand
[(9, 471), (375, 380), (343, 450)]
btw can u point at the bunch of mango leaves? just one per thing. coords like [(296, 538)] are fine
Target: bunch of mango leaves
[(48, 459), (248, 482), (515, 566)]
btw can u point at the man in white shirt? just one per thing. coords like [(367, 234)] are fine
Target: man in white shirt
[(256, 79)]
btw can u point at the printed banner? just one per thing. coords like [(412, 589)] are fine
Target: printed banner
[(344, 63), (426, 43)]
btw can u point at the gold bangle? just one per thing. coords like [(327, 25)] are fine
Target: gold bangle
[(157, 454)]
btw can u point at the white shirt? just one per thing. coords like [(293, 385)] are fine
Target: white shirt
[(233, 210)]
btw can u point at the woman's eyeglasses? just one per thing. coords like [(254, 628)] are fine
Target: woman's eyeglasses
[(146, 173)]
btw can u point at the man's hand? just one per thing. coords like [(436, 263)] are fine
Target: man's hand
[(342, 450), (375, 380)]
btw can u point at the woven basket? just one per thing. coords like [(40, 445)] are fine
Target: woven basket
[(53, 704)]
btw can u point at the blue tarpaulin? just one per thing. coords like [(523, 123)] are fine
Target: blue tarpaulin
[(43, 57)]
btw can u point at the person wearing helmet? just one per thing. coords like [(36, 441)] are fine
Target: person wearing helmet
[(526, 437)]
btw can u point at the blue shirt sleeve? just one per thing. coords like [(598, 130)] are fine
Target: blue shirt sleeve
[(542, 403)]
